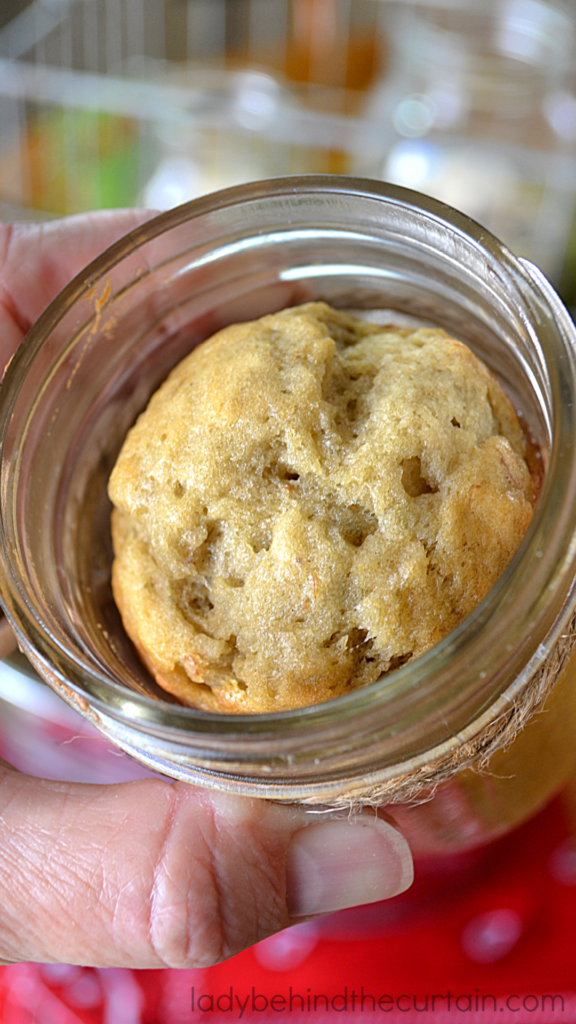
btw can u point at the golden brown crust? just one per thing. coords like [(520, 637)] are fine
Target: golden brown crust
[(309, 501)]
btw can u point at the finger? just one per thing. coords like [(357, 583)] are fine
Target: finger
[(37, 260), (151, 874)]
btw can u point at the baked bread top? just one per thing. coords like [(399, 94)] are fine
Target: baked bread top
[(309, 501)]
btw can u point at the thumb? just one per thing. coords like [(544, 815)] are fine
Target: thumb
[(152, 874)]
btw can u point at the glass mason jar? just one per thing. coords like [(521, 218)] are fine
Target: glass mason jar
[(88, 367)]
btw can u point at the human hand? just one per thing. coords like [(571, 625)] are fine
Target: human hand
[(152, 873)]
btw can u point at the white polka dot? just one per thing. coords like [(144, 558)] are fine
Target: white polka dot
[(562, 863), (287, 949), (59, 974), (491, 936), (85, 992)]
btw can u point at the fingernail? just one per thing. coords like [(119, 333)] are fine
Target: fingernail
[(341, 863)]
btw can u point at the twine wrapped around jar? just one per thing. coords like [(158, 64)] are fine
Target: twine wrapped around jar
[(419, 786)]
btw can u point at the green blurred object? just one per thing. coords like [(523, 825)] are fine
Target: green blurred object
[(82, 159)]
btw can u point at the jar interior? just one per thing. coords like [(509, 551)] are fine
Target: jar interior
[(111, 347)]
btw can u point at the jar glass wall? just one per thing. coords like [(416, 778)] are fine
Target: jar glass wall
[(88, 367)]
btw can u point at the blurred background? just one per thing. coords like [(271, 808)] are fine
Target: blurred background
[(119, 102), (109, 103)]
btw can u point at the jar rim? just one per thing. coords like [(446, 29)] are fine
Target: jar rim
[(536, 591)]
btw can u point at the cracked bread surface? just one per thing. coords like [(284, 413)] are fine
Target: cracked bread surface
[(310, 501)]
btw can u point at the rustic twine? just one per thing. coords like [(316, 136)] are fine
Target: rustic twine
[(418, 786)]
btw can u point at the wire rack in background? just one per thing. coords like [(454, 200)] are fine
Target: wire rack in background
[(116, 102), (107, 102)]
